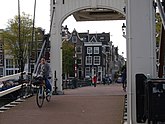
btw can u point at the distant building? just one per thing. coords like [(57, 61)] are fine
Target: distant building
[(9, 65), (95, 54), (1, 55)]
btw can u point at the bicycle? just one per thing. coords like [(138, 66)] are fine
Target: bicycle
[(41, 91), (27, 89)]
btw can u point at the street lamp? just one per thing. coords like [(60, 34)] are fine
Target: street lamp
[(124, 30)]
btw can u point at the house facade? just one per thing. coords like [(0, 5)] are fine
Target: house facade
[(1, 56), (95, 55), (9, 65)]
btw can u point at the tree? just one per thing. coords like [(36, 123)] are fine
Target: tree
[(19, 47), (158, 28), (67, 57)]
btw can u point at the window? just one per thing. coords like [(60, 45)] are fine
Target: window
[(84, 39), (16, 64), (99, 69), (89, 50), (1, 46), (87, 72), (16, 71), (9, 63), (74, 39), (88, 60), (102, 38), (9, 72), (1, 72), (94, 70), (96, 60), (1, 56), (79, 49), (79, 61), (1, 61), (96, 50)]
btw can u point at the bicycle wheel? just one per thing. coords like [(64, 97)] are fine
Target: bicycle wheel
[(40, 96)]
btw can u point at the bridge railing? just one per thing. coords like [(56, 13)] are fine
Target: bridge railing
[(11, 89)]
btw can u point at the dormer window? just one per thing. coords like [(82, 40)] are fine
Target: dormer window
[(74, 39), (84, 39), (102, 38)]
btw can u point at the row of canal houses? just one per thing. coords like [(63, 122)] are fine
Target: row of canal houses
[(95, 54)]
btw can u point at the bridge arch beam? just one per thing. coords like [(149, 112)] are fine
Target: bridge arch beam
[(62, 11), (141, 57)]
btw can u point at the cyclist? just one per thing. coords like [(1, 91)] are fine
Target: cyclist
[(44, 71)]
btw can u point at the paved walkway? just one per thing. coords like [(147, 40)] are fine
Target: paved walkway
[(87, 105)]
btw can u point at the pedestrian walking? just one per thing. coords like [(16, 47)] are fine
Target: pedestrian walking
[(94, 80), (124, 79)]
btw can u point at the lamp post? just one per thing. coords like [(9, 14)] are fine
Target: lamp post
[(124, 30)]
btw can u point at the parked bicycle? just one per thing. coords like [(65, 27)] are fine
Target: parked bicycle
[(27, 88), (42, 92)]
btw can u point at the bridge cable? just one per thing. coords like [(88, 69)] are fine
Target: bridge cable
[(44, 44), (31, 47)]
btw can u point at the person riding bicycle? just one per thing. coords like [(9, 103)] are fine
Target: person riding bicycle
[(44, 71)]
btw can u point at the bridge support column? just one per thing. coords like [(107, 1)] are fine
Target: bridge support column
[(141, 47), (56, 64)]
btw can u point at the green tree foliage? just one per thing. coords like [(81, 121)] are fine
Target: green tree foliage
[(158, 28), (67, 56), (20, 49)]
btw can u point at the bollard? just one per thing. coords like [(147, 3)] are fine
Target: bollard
[(55, 84)]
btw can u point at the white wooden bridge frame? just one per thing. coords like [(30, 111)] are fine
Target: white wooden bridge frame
[(140, 21)]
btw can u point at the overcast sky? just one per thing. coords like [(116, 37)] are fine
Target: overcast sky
[(9, 8)]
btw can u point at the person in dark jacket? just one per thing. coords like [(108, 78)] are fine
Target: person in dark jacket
[(124, 79), (44, 71)]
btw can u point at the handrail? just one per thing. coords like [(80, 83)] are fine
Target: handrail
[(14, 88), (14, 76), (10, 90)]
